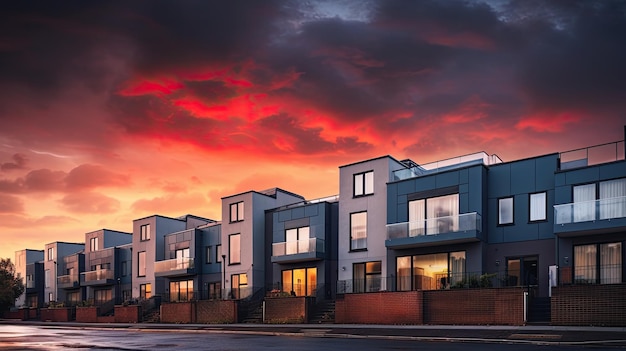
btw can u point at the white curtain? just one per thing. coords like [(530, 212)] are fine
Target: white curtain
[(585, 263), (443, 214), (611, 263), (538, 207), (417, 212), (613, 199), (584, 202)]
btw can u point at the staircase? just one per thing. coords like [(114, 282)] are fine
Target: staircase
[(539, 310), (251, 312), (324, 313)]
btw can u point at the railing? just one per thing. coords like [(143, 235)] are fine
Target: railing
[(174, 264), (67, 280), (100, 274), (331, 198), (447, 164), (592, 155), (298, 247), (596, 274), (288, 290), (585, 211), (432, 226)]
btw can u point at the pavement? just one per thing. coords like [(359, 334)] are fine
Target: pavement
[(528, 334)]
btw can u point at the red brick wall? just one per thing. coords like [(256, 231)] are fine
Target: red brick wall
[(21, 314), (33, 313), (87, 314), (589, 305), (63, 314), (502, 306), (288, 309), (216, 312), (128, 314), (380, 308), (178, 312)]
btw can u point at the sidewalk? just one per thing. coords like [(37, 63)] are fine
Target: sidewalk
[(530, 334)]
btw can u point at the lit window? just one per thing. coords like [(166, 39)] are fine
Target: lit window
[(94, 244), (144, 232), (358, 231), (145, 291)]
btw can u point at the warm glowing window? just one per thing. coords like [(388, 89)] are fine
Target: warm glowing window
[(234, 249), (144, 231), (358, 231)]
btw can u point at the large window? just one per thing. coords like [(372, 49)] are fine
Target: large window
[(50, 253), (521, 271), (182, 259), (234, 249), (584, 202), (238, 284), (215, 291), (144, 232), (102, 296), (141, 264), (297, 240), (94, 244), (300, 282), (538, 206), (430, 272), (47, 278), (612, 199), (145, 291), (364, 183), (367, 277), (505, 211), (434, 215), (598, 263), (358, 231), (236, 211), (181, 290)]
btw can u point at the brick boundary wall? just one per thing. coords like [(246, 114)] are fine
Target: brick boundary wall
[(288, 309), (21, 314), (216, 312), (500, 306), (128, 314), (63, 314), (380, 308), (87, 314), (598, 305), (178, 312)]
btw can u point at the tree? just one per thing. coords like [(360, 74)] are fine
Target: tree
[(11, 287)]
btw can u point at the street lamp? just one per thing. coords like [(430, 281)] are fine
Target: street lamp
[(224, 274)]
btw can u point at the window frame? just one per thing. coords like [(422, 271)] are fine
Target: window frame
[(209, 256), (144, 232), (236, 209), (145, 291), (363, 191), (364, 287), (545, 207), (51, 254), (598, 267), (352, 240), (512, 222), (230, 249), (94, 244), (140, 255), (218, 253)]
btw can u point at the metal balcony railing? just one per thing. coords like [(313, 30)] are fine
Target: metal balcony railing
[(432, 226), (447, 164), (100, 274), (584, 211), (298, 247), (67, 280), (173, 264), (592, 155)]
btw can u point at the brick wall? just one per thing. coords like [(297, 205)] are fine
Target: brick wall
[(216, 312), (87, 314), (128, 314), (21, 314), (380, 308), (178, 312), (63, 314), (501, 306), (288, 309), (600, 305)]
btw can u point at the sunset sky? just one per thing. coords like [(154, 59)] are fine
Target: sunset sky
[(116, 110)]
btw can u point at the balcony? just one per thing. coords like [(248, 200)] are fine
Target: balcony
[(590, 217), (310, 249), (175, 267), (98, 277), (592, 155), (69, 281), (435, 231), (479, 158)]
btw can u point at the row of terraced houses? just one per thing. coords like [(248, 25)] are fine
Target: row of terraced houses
[(467, 240)]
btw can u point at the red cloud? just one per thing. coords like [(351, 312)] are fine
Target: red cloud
[(20, 163), (10, 204), (90, 203), (91, 176), (547, 122), (146, 87)]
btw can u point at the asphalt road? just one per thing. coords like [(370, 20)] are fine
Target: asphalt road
[(33, 337)]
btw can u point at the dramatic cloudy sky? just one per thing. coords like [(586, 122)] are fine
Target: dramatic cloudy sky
[(115, 110)]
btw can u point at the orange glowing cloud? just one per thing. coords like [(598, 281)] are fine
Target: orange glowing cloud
[(548, 122)]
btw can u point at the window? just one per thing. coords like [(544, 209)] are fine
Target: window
[(182, 259), (364, 183), (431, 271), (102, 296), (358, 231), (234, 249), (145, 291), (218, 253), (144, 231), (584, 202), (434, 215), (47, 278), (124, 268), (521, 271), (591, 268), (215, 291), (237, 283), (297, 240), (50, 253), (612, 199), (366, 277), (181, 290), (505, 211), (300, 282), (538, 207), (141, 264), (209, 256), (236, 211), (50, 297), (93, 244)]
